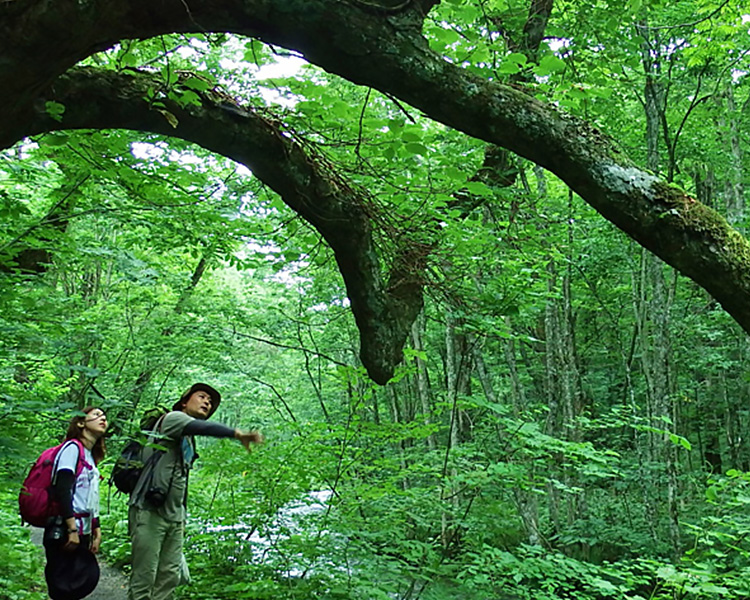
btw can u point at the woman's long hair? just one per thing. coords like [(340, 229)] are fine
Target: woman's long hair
[(76, 433)]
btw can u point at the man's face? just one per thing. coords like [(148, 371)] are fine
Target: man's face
[(198, 405)]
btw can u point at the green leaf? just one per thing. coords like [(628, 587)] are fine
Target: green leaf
[(128, 59), (678, 440), (479, 188), (634, 6), (54, 109), (189, 98), (447, 37), (88, 371), (170, 76), (197, 83), (396, 125), (56, 139), (509, 68), (517, 57), (171, 119), (416, 148), (340, 109), (411, 136), (552, 64), (455, 173), (578, 93)]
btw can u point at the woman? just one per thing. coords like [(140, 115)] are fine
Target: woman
[(72, 539)]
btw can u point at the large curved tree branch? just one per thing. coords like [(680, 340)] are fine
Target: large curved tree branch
[(338, 210), (40, 40)]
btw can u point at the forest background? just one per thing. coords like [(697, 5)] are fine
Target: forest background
[(568, 419)]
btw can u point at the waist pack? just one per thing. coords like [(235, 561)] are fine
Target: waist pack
[(35, 502)]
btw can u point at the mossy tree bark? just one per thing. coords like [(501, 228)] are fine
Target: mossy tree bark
[(382, 47), (383, 307)]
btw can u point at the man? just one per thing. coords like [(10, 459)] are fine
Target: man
[(156, 517)]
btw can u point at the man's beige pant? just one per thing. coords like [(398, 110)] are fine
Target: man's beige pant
[(157, 551)]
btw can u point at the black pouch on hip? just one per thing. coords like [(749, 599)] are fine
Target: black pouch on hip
[(55, 531)]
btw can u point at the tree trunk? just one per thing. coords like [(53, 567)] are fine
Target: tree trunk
[(422, 381), (734, 189), (144, 377), (40, 41), (457, 371), (396, 416), (655, 340), (527, 501)]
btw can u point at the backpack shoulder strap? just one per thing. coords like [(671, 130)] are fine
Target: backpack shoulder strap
[(156, 431), (160, 422), (81, 462)]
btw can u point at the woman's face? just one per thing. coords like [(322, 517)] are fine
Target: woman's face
[(96, 422)]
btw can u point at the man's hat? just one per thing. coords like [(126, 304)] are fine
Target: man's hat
[(200, 387)]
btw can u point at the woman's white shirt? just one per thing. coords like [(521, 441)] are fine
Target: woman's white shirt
[(86, 490)]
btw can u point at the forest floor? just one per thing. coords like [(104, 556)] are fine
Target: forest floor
[(113, 584)]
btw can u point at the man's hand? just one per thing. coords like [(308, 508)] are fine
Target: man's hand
[(248, 437)]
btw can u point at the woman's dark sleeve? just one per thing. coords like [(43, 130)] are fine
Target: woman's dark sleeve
[(198, 427), (62, 491)]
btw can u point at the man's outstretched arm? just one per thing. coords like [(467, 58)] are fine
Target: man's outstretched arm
[(198, 427)]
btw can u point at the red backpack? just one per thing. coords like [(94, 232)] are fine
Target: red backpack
[(35, 501)]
